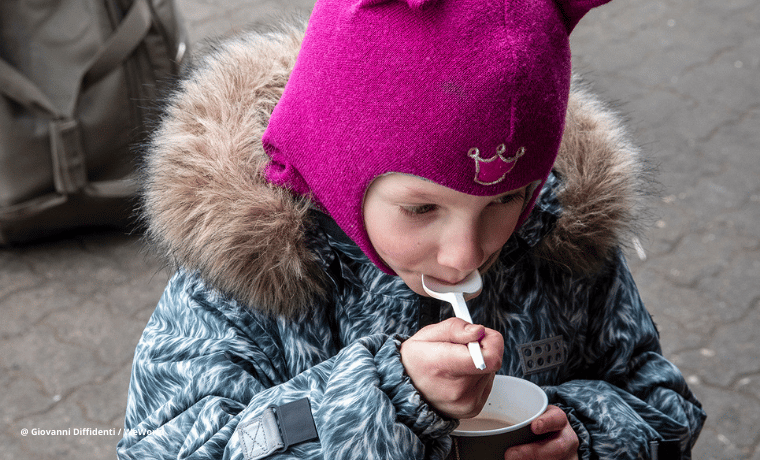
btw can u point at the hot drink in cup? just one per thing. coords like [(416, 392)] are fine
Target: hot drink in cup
[(504, 421)]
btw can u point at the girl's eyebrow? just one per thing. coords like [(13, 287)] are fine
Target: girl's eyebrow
[(414, 192)]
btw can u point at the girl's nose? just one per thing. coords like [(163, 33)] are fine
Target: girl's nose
[(462, 249)]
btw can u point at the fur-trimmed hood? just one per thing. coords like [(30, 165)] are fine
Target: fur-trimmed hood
[(208, 208)]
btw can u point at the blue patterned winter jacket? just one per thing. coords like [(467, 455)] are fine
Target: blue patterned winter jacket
[(271, 303)]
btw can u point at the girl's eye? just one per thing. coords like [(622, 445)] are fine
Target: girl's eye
[(418, 210), (511, 198)]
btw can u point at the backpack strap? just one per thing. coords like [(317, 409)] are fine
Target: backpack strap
[(131, 31), (19, 88), (67, 151), (128, 35)]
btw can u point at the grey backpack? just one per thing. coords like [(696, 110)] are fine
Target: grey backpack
[(77, 79)]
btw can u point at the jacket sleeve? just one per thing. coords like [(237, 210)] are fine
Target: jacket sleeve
[(199, 375), (629, 400)]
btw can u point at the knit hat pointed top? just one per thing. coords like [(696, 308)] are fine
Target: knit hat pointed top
[(470, 94)]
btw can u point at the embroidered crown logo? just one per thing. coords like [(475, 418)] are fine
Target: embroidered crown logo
[(490, 171)]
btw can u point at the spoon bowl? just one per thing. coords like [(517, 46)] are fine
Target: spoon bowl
[(454, 294), (470, 286)]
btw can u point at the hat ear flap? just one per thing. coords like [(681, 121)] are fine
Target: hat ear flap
[(574, 10)]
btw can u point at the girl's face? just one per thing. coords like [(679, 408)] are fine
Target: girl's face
[(420, 227)]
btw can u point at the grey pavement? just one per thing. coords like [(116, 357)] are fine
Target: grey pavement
[(686, 74)]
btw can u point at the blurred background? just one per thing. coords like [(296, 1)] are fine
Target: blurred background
[(686, 75)]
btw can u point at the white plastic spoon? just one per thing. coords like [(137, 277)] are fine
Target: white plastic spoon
[(454, 294)]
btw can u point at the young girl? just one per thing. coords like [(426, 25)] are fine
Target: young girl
[(413, 137)]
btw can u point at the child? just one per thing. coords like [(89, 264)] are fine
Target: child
[(413, 137)]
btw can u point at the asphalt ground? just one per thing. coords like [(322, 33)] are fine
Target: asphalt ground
[(686, 76)]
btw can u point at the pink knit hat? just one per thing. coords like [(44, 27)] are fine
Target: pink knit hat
[(470, 94)]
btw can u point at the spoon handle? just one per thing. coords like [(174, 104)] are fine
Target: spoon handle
[(461, 310), (477, 356)]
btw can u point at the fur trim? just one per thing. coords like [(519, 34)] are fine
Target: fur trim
[(606, 181), (206, 204), (208, 207)]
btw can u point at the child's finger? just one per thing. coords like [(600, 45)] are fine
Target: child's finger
[(450, 338), (452, 330), (554, 419), (434, 357)]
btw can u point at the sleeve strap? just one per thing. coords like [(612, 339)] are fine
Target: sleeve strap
[(277, 428)]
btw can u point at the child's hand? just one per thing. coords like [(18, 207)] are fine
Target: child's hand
[(437, 360), (562, 443)]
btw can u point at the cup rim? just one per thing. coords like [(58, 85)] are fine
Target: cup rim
[(515, 427)]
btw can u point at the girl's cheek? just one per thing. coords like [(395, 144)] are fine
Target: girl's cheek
[(404, 254)]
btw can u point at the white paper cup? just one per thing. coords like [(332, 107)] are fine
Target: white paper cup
[(513, 400)]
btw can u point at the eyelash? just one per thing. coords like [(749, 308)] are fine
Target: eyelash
[(426, 208), (511, 198), (417, 210)]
